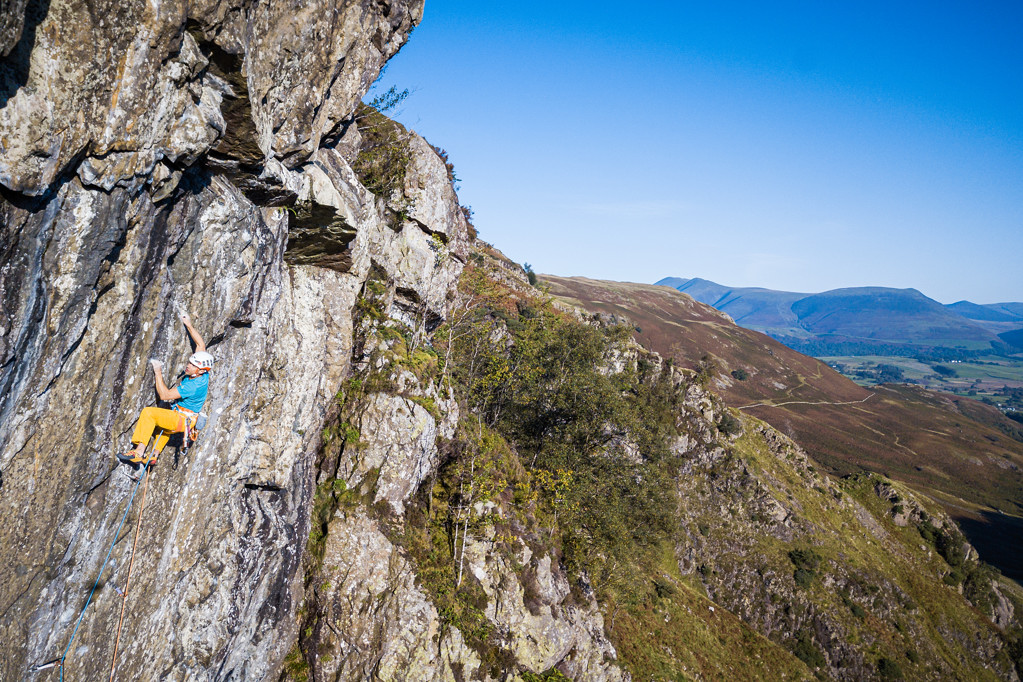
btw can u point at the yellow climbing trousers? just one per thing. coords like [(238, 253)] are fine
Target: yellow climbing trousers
[(157, 417)]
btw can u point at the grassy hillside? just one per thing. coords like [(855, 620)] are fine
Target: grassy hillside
[(955, 449), (846, 562)]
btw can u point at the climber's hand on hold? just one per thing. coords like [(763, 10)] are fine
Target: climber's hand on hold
[(200, 345), (165, 393)]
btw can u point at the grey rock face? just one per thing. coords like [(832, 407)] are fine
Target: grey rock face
[(399, 442), (101, 279), (128, 85), (167, 158), (12, 25), (550, 631), (93, 276), (404, 640)]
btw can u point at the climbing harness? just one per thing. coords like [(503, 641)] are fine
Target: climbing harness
[(190, 425), (59, 662)]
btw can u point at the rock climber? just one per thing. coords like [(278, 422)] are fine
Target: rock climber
[(186, 400)]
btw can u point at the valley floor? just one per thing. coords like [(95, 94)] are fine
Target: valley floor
[(996, 380)]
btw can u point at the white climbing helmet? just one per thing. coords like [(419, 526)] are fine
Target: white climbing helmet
[(202, 360)]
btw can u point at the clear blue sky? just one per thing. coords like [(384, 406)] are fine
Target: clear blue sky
[(798, 146)]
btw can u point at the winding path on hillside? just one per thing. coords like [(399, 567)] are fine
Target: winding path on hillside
[(805, 402)]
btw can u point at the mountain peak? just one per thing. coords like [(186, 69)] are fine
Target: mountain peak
[(871, 315)]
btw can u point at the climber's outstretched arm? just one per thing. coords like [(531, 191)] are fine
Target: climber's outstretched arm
[(166, 394), (200, 345)]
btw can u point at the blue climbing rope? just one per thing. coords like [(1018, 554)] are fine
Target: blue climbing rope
[(60, 665)]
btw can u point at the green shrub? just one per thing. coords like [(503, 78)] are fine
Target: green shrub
[(977, 587), (550, 394), (807, 652), (385, 154), (530, 275), (705, 370), (927, 530), (953, 577), (803, 577), (664, 588), (806, 562), (1015, 648), (740, 374), (805, 558), (729, 425), (296, 668), (887, 669), (950, 547)]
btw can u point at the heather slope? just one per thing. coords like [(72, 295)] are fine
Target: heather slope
[(958, 450), (714, 547)]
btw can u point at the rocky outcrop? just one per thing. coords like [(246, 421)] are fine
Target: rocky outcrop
[(404, 638), (199, 158), (824, 566), (115, 89), (383, 454), (103, 277), (544, 629)]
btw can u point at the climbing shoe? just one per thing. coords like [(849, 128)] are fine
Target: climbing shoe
[(131, 457)]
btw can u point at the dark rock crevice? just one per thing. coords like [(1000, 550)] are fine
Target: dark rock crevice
[(18, 23), (318, 235)]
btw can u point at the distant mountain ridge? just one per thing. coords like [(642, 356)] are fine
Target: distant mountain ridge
[(1004, 319), (861, 320), (992, 313), (750, 307)]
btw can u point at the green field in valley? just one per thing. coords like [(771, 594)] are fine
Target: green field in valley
[(984, 377)]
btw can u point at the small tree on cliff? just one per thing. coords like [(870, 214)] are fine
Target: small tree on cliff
[(530, 275)]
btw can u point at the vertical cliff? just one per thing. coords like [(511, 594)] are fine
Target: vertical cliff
[(154, 157)]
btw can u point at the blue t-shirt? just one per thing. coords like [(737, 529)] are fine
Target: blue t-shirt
[(193, 392)]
